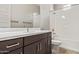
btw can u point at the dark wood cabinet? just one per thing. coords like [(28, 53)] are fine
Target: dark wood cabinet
[(41, 48), (10, 45), (35, 44), (17, 51), (30, 49), (41, 44), (36, 48), (49, 44)]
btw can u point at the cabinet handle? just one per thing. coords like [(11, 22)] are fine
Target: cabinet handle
[(13, 45)]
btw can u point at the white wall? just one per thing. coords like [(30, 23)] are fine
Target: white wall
[(20, 12), (67, 27), (58, 6), (4, 15), (36, 21), (45, 18), (23, 11), (52, 20)]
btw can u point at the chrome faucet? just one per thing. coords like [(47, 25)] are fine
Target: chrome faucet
[(27, 29)]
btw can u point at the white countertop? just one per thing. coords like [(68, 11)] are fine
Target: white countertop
[(17, 34)]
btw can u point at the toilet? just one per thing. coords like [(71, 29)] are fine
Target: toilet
[(56, 42), (55, 46)]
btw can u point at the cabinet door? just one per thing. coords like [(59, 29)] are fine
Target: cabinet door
[(48, 45), (35, 48), (44, 46), (18, 51), (41, 47), (30, 49)]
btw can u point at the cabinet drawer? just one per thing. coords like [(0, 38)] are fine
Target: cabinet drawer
[(45, 35), (31, 39), (9, 45)]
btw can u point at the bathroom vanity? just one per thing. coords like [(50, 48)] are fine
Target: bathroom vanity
[(25, 43)]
